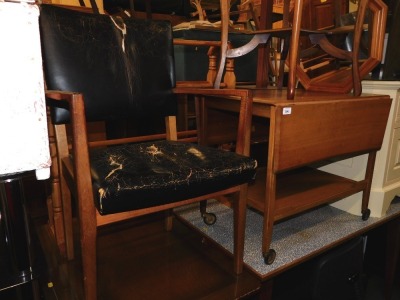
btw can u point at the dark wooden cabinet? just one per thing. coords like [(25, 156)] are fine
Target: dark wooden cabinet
[(322, 14), (391, 65)]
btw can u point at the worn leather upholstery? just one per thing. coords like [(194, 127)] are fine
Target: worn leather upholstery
[(120, 75), (131, 76), (149, 174)]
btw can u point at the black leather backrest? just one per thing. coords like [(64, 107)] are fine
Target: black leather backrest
[(124, 68)]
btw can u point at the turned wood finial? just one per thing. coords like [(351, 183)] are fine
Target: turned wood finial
[(230, 77), (212, 64)]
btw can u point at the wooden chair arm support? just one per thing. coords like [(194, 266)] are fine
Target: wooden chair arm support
[(61, 95)]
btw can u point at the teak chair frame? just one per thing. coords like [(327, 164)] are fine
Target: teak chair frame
[(79, 183), (59, 200)]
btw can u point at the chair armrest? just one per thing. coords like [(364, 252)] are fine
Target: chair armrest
[(60, 95)]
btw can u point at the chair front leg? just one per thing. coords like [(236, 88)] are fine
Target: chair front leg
[(89, 259), (239, 210), (85, 196)]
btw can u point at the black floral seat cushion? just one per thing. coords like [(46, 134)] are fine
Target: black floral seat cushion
[(143, 175)]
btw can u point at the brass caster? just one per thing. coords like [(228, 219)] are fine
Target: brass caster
[(209, 218)]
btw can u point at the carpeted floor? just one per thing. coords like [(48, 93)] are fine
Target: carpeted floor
[(301, 236)]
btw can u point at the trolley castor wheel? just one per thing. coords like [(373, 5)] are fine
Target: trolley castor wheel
[(209, 218), (365, 214), (269, 257)]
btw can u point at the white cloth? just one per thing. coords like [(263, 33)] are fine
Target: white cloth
[(24, 144)]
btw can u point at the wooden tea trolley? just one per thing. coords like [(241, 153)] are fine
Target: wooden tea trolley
[(313, 128)]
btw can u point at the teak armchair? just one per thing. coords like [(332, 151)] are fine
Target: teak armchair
[(98, 68), (60, 214)]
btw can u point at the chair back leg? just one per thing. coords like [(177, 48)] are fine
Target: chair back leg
[(294, 48), (224, 6)]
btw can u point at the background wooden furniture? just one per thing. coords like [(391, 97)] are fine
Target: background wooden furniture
[(339, 79), (317, 15), (262, 37), (323, 14), (343, 79)]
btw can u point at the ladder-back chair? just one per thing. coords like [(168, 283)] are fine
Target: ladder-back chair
[(343, 80)]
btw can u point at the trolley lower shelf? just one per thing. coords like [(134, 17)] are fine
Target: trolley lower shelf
[(300, 190)]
